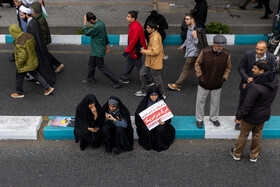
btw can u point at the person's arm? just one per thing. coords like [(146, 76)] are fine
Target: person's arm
[(90, 32), (134, 36), (120, 123), (228, 67), (242, 67), (198, 64), (154, 50), (21, 56)]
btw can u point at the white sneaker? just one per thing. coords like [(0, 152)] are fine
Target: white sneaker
[(164, 96), (140, 94), (255, 159)]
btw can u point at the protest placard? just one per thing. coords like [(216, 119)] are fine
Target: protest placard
[(156, 112)]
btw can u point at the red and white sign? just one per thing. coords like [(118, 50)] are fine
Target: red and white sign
[(156, 112)]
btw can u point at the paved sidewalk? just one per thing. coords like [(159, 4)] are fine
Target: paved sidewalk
[(66, 16)]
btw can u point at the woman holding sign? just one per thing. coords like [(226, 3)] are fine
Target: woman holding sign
[(87, 122), (117, 129), (160, 137)]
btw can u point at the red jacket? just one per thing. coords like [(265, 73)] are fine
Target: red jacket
[(135, 34)]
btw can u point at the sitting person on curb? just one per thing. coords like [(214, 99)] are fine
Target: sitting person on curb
[(162, 136), (87, 122), (26, 61), (117, 129)]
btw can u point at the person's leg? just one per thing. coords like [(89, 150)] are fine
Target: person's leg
[(215, 96), (40, 79), (144, 71), (128, 70), (91, 68), (188, 66), (104, 69), (245, 129), (201, 97), (243, 3), (256, 140), (19, 82), (138, 63), (158, 80)]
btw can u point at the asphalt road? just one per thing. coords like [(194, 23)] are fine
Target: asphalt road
[(69, 90), (185, 163)]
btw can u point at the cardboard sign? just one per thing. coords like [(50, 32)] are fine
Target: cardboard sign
[(156, 112)]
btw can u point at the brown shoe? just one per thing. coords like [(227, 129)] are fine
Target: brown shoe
[(49, 91), (173, 87), (59, 68), (16, 95)]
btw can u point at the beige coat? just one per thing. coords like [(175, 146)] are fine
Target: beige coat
[(154, 53)]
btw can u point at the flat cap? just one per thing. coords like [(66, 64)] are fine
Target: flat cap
[(220, 40)]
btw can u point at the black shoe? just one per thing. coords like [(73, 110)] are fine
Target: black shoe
[(108, 148), (241, 7), (117, 85), (237, 126), (270, 12), (258, 6), (88, 82), (1, 5), (118, 151), (264, 17), (216, 123), (234, 157), (199, 124), (12, 58), (83, 145)]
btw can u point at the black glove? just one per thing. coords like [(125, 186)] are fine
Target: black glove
[(125, 54)]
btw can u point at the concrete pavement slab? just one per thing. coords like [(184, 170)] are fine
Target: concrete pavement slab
[(19, 127)]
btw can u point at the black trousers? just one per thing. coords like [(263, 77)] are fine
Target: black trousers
[(99, 62), (130, 63), (35, 74), (266, 6)]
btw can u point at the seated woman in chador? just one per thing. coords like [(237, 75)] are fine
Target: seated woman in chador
[(162, 136), (117, 129), (87, 122)]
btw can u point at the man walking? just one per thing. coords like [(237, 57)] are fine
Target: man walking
[(136, 41), (246, 65), (26, 61), (255, 110), (153, 63), (212, 68), (195, 41), (99, 46), (45, 67)]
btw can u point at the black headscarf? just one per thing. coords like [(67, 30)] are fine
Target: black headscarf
[(123, 112), (144, 103), (84, 117)]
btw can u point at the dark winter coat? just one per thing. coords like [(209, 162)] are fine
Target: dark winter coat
[(259, 95), (44, 27), (158, 20), (200, 13)]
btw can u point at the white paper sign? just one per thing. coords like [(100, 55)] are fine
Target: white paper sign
[(156, 112)]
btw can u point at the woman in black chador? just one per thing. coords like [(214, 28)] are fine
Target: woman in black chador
[(87, 122), (117, 129), (162, 136)]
